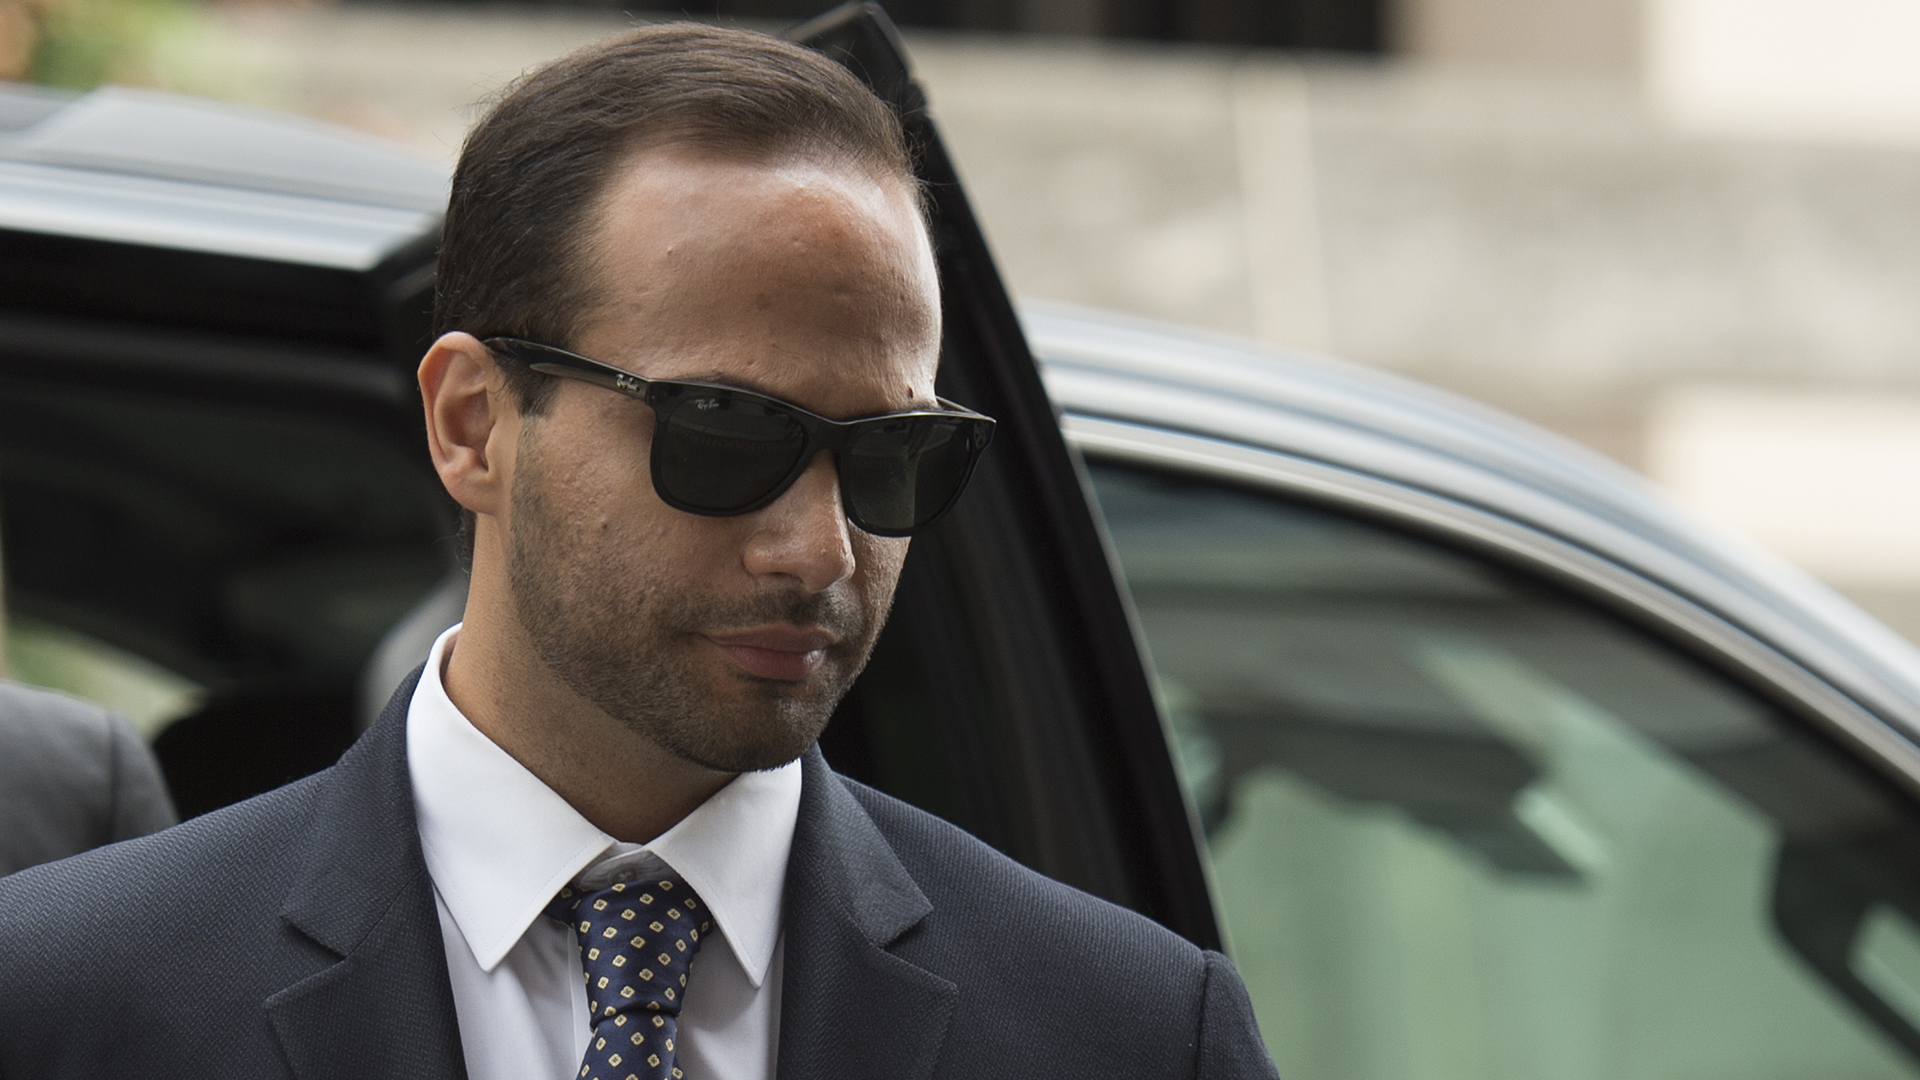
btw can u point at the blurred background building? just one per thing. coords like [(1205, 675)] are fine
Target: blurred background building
[(1683, 232)]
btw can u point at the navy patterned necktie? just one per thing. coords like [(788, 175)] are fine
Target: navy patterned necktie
[(636, 942)]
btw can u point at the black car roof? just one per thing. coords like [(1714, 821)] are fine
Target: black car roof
[(1137, 371), (127, 166)]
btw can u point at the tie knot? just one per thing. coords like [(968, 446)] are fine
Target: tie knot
[(637, 941)]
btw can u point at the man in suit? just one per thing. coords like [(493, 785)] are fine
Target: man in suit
[(684, 390)]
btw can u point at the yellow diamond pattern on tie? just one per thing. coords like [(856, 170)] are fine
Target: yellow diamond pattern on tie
[(620, 990)]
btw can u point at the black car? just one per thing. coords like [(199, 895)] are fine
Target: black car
[(1479, 760)]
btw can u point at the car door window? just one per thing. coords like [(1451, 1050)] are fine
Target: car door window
[(1464, 825)]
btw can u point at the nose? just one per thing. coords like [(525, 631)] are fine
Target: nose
[(803, 534)]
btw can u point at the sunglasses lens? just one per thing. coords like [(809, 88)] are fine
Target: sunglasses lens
[(900, 474), (719, 453)]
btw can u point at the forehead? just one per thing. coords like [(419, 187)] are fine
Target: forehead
[(805, 278)]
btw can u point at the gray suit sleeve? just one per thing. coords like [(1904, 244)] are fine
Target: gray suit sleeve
[(139, 800), (1230, 1044), (73, 776)]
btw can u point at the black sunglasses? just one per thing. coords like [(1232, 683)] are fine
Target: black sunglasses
[(721, 451)]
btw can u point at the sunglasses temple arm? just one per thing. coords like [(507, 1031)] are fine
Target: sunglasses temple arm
[(610, 378)]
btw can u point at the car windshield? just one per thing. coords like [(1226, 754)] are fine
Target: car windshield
[(1465, 825)]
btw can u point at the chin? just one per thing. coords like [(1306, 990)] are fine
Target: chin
[(745, 756), (762, 730)]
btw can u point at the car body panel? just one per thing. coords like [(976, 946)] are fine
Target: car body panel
[(1463, 458), (164, 171)]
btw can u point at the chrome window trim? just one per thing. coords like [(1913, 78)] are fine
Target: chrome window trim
[(181, 216), (1771, 673)]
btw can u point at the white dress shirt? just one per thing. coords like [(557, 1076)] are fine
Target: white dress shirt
[(499, 844)]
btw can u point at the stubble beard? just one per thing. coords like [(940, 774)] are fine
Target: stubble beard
[(626, 645)]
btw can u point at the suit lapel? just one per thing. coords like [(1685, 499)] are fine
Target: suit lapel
[(850, 1009), (385, 1008)]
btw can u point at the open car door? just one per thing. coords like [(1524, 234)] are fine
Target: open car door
[(1008, 694)]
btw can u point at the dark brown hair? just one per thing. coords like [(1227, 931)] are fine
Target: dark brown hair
[(514, 249)]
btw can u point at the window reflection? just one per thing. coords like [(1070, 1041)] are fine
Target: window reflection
[(1462, 825)]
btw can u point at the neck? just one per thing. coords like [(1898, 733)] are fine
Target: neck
[(624, 783)]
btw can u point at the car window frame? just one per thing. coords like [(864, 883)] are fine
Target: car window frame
[(1666, 615)]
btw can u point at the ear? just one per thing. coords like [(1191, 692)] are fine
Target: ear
[(471, 420)]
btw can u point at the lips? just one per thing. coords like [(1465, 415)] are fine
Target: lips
[(780, 653)]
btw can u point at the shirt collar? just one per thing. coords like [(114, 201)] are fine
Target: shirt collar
[(499, 843)]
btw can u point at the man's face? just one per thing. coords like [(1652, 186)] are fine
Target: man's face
[(727, 641)]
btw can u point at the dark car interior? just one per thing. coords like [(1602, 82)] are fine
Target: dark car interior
[(246, 511), (259, 552)]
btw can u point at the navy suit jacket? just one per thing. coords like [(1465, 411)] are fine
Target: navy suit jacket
[(294, 935)]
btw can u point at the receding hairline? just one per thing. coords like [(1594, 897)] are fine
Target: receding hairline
[(593, 224), (694, 142)]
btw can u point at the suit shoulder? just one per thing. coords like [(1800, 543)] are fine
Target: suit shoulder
[(1049, 981), (980, 889), (173, 873), (179, 932), (50, 727)]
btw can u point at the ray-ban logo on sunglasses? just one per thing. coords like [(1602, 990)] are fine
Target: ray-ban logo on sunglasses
[(626, 382), (706, 403)]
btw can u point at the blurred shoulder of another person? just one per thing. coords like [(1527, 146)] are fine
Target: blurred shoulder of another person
[(73, 776)]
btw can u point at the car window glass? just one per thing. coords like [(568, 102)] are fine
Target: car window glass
[(220, 570), (1462, 825)]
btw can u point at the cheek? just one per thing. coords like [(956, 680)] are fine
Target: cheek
[(584, 497), (609, 480), (636, 537), (595, 500), (877, 563)]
